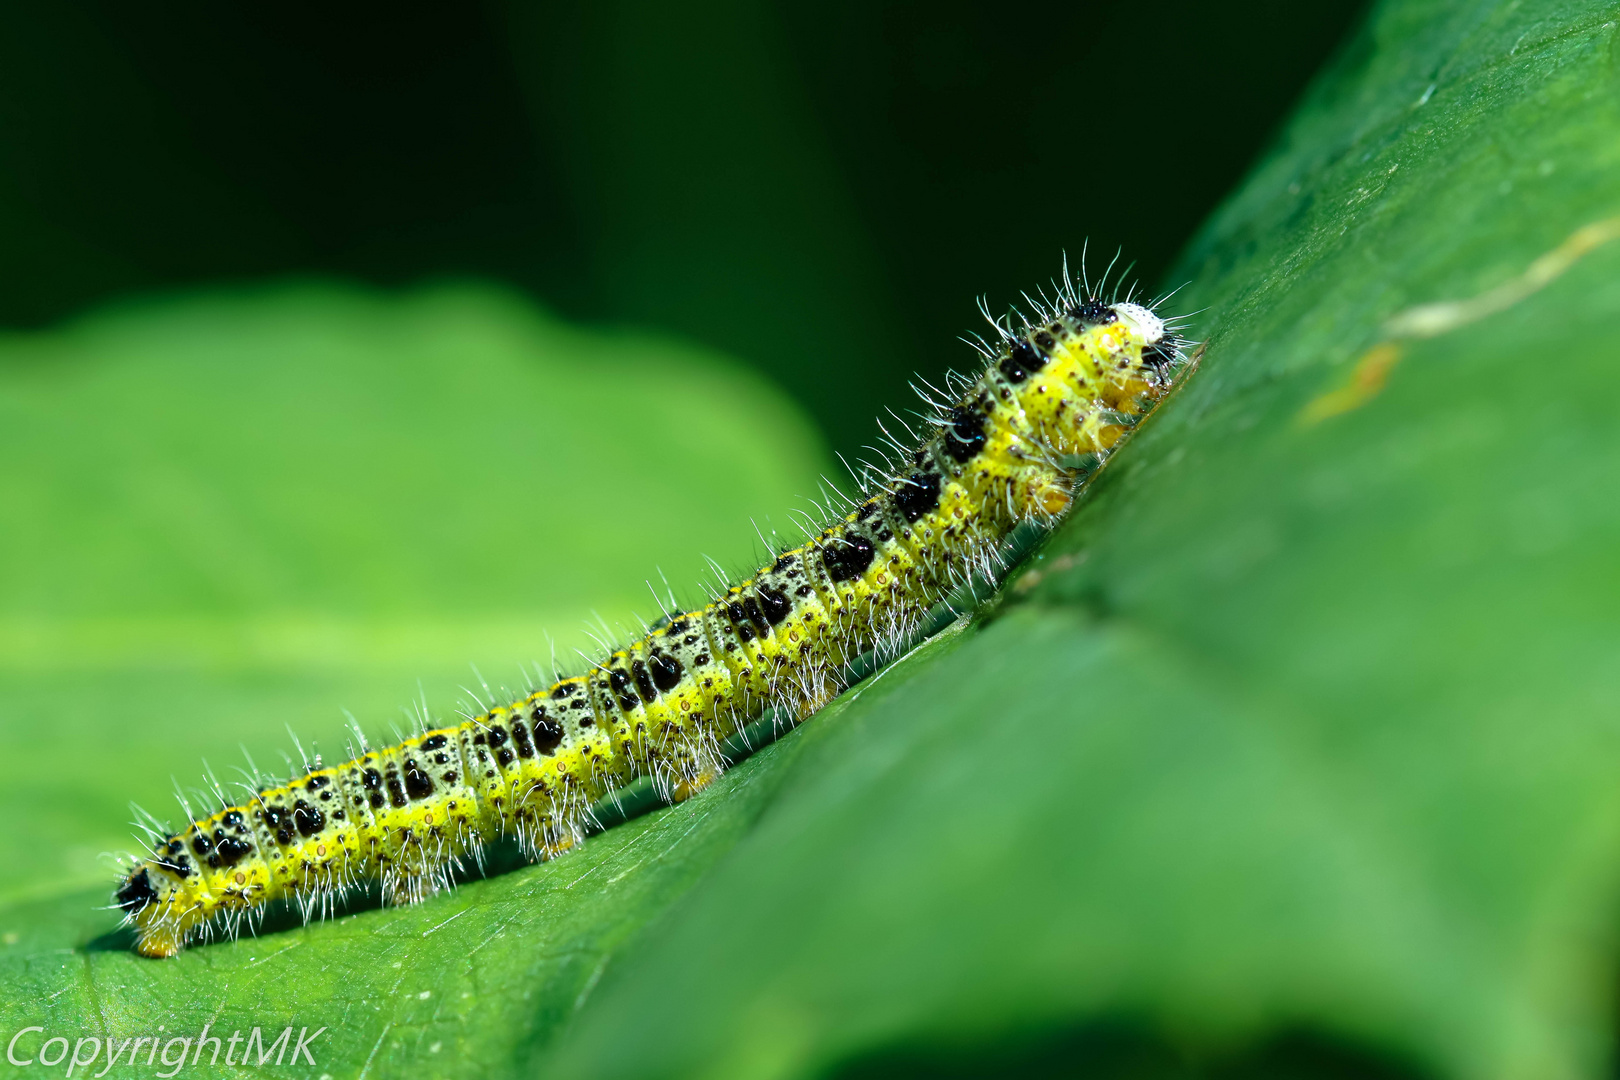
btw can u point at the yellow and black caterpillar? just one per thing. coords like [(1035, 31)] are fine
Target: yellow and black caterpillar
[(1009, 447)]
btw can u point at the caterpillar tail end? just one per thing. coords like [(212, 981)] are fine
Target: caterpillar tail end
[(159, 942), (161, 930), (163, 912)]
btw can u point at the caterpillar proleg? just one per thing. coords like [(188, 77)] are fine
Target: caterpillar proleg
[(1059, 389)]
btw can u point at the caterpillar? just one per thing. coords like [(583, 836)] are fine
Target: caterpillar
[(1058, 390)]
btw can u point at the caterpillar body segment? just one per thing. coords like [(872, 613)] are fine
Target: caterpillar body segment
[(1005, 448)]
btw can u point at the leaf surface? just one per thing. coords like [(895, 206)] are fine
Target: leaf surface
[(1305, 728)]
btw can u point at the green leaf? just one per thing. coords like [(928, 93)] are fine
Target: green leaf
[(1304, 731)]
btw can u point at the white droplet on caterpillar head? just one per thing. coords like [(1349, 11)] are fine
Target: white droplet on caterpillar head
[(1142, 321)]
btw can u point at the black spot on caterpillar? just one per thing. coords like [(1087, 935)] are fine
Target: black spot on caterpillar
[(1067, 385)]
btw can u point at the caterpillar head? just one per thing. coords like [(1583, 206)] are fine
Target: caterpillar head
[(1141, 322), (1162, 348)]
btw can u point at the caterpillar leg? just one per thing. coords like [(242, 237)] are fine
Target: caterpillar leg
[(544, 834), (682, 790), (402, 890), (547, 852), (417, 879), (1043, 495), (823, 693)]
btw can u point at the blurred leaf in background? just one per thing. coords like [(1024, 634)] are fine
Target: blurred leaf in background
[(225, 514), (818, 190)]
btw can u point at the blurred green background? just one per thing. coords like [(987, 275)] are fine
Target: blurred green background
[(818, 190)]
